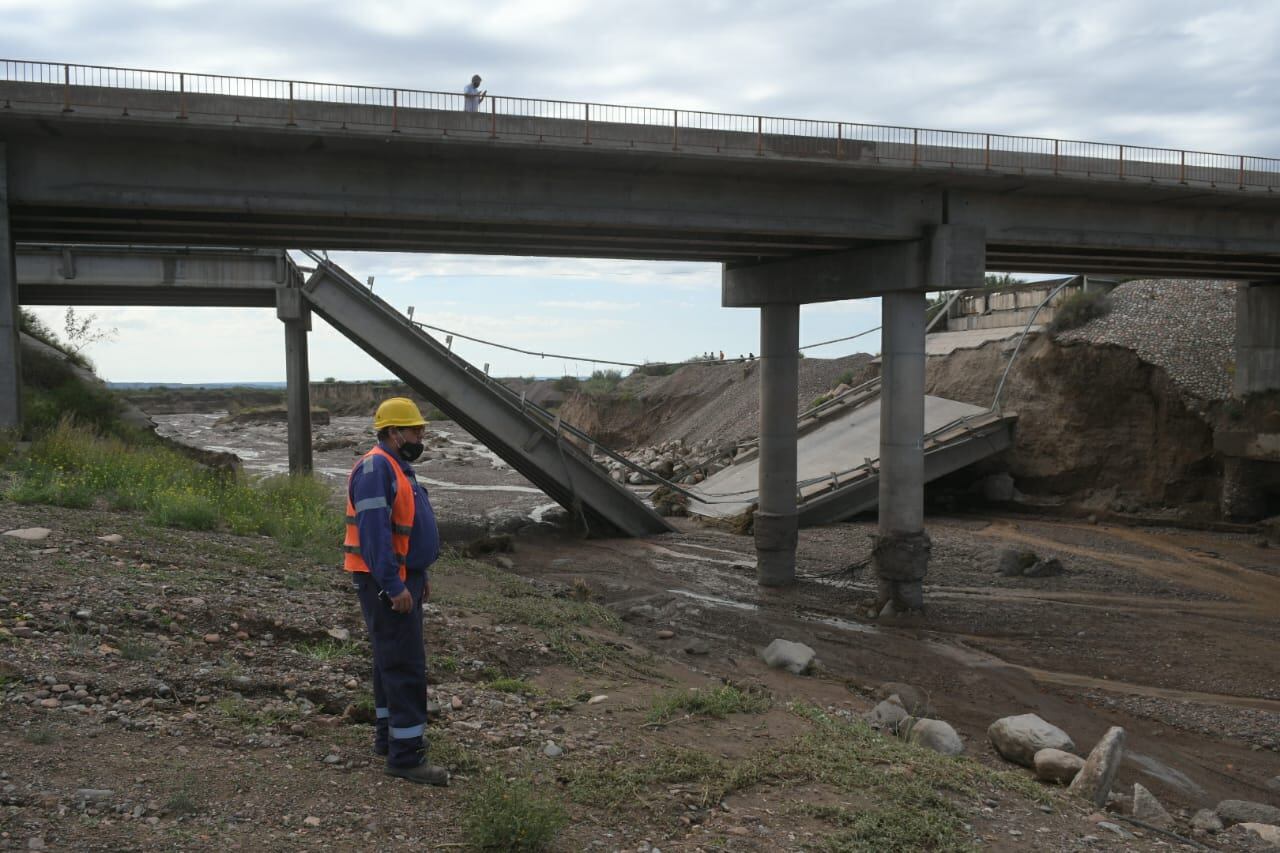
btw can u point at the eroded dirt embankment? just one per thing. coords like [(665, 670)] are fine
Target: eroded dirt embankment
[(1097, 425), (1090, 419)]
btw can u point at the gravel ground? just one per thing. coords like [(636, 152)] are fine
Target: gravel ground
[(1186, 327)]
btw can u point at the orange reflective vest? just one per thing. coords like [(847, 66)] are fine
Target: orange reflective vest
[(402, 513)]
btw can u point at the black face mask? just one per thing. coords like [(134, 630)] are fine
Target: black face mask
[(410, 450)]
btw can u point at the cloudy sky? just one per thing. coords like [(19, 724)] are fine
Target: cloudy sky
[(1180, 74)]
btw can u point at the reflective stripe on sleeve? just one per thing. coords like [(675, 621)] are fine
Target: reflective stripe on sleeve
[(402, 529), (383, 713), (378, 502), (351, 549)]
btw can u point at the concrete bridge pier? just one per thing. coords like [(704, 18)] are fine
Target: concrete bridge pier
[(945, 257), (777, 518), (293, 310), (901, 552), (1257, 337), (10, 321)]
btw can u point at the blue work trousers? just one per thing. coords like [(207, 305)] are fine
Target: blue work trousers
[(399, 670)]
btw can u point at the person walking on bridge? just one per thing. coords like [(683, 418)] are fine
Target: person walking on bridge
[(473, 94), (391, 541)]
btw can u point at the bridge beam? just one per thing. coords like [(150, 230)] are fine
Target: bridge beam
[(1257, 337), (947, 257), (293, 310), (10, 320)]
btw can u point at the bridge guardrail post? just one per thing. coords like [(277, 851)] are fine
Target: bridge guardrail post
[(759, 135), (675, 130), (291, 123), (66, 88), (1182, 167), (1241, 171), (493, 118), (586, 121), (1055, 156), (1122, 161), (182, 96), (395, 110), (915, 146)]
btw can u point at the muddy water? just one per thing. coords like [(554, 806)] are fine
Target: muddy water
[(472, 490)]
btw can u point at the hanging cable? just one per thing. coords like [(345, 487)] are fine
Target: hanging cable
[(620, 363)]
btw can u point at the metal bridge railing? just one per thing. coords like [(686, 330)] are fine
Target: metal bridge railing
[(392, 109)]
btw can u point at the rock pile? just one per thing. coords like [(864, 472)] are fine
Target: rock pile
[(1186, 327)]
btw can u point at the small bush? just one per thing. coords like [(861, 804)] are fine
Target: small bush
[(819, 400), (1079, 308), (565, 384), (137, 650), (180, 509), (648, 369), (508, 815), (512, 685), (846, 378), (719, 703)]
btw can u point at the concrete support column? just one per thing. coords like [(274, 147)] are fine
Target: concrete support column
[(776, 518), (10, 322), (901, 552), (1257, 338), (291, 308)]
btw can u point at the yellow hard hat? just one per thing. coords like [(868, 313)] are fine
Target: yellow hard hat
[(398, 412)]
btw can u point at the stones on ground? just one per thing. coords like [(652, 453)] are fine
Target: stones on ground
[(795, 658), (212, 638), (1244, 811), (111, 539), (1047, 568), (456, 703), (1093, 782), (887, 715), (596, 700), (1274, 783), (30, 534), (311, 820), (1267, 832), (1056, 766), (1020, 737), (1147, 808), (93, 795), (339, 634), (1206, 820), (697, 646), (665, 634), (552, 750), (937, 735), (643, 611), (1012, 562), (915, 700)]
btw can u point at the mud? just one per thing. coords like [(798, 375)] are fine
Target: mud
[(1169, 633)]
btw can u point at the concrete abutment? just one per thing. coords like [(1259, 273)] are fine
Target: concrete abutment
[(1257, 337)]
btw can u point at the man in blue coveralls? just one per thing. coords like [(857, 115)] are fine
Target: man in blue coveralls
[(391, 540)]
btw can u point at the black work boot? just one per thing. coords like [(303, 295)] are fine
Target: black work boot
[(422, 774)]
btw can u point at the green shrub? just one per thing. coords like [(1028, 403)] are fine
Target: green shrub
[(508, 815), (183, 509), (74, 465), (1079, 308), (718, 702), (819, 400), (602, 382), (656, 369), (565, 384), (846, 378)]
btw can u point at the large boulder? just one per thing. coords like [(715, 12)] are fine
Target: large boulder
[(937, 735), (1019, 738), (1244, 811), (1011, 562), (1056, 766), (1269, 833), (1093, 782), (887, 714), (793, 657)]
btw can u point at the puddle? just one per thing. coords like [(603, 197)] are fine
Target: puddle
[(668, 552), (458, 487), (537, 513), (715, 601), (842, 624)]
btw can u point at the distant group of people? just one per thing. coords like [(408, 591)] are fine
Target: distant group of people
[(711, 356)]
